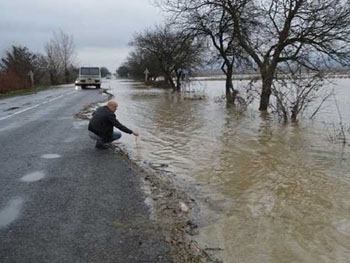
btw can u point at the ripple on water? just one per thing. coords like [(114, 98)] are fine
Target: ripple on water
[(267, 192)]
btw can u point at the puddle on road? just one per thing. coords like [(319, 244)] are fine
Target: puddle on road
[(10, 212), (32, 177), (63, 118), (51, 156), (70, 140), (79, 125)]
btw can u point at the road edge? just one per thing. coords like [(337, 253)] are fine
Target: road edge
[(172, 209)]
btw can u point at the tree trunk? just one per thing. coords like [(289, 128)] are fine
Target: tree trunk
[(178, 80), (230, 96), (66, 73), (178, 84), (170, 81), (267, 78), (231, 93), (52, 78), (294, 114)]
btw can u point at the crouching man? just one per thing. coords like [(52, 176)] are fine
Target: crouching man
[(102, 123)]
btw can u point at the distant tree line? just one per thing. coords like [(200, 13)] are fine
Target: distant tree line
[(105, 72), (20, 68)]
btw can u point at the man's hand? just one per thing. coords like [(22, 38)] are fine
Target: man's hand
[(135, 133)]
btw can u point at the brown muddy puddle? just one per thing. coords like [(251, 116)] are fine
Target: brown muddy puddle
[(266, 192)]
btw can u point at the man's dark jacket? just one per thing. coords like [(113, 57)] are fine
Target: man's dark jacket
[(102, 124)]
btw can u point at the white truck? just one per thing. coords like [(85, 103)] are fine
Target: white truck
[(89, 76)]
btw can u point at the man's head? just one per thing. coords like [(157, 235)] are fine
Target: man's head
[(112, 105)]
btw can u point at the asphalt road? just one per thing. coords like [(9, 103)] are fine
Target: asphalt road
[(62, 200)]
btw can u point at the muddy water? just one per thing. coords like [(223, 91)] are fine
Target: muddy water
[(266, 192)]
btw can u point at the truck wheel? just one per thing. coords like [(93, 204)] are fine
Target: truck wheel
[(98, 86)]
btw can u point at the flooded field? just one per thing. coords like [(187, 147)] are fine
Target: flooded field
[(266, 192)]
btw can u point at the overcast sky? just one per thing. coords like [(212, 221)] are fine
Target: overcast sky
[(101, 29)]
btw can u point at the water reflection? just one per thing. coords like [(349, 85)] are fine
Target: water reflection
[(268, 192)]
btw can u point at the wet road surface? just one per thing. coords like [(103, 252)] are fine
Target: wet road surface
[(62, 200)]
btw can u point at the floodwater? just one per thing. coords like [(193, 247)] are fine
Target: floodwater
[(267, 192)]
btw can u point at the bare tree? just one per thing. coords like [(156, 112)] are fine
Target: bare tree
[(40, 69), (67, 51), (138, 60), (60, 52), (174, 50), (214, 23), (314, 34), (297, 91), (54, 61)]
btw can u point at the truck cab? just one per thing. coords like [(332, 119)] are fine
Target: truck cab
[(89, 76)]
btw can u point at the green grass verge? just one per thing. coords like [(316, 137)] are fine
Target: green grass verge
[(26, 91)]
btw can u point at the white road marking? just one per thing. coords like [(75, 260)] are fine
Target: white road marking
[(53, 99), (51, 156), (11, 212), (36, 105), (18, 112), (32, 177), (72, 92)]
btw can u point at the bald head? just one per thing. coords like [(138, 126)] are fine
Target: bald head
[(112, 105)]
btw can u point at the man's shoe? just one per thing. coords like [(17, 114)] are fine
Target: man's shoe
[(100, 145)]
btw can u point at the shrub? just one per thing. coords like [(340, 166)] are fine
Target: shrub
[(10, 81)]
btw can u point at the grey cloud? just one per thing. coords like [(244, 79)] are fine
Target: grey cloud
[(108, 24)]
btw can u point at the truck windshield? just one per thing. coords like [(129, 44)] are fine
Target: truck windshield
[(89, 71)]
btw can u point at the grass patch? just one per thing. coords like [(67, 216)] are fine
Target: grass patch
[(27, 91)]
